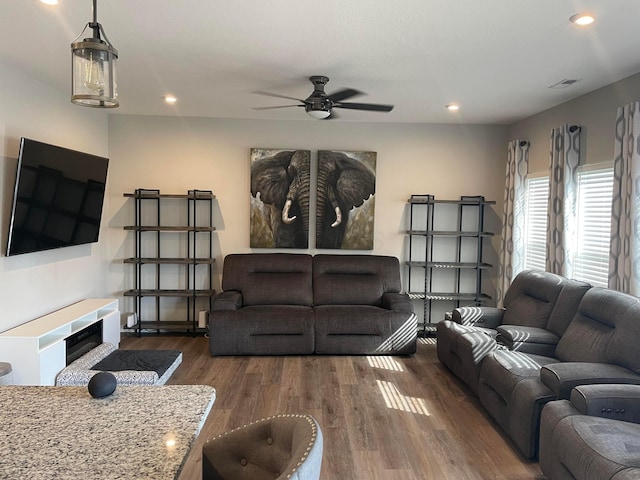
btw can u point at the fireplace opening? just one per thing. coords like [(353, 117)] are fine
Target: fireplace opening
[(83, 341)]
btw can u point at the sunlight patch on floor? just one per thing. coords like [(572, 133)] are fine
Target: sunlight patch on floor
[(427, 340), (386, 363), (395, 400)]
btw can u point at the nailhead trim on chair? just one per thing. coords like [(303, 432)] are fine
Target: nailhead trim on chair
[(308, 418)]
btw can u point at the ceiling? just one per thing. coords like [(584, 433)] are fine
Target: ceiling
[(496, 58)]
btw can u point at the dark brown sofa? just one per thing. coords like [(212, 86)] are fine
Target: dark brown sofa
[(279, 304)]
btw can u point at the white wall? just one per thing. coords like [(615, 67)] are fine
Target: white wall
[(176, 154), (596, 112), (38, 283)]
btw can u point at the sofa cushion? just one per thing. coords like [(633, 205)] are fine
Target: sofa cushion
[(566, 306), (534, 340), (604, 330), (277, 288), (364, 329), (269, 278), (262, 330), (531, 297), (354, 279), (511, 335)]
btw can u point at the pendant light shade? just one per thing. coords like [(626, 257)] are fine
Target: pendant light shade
[(93, 68)]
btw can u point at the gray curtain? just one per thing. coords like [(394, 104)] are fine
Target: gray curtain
[(562, 210), (624, 264), (512, 240)]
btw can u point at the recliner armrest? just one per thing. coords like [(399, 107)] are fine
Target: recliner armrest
[(561, 378), (228, 300), (398, 302), (485, 317), (616, 401)]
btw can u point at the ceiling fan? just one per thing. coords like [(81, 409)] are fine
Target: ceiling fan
[(319, 105)]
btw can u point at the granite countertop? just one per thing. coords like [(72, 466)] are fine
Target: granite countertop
[(139, 432)]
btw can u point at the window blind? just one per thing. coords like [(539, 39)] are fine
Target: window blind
[(591, 259), (536, 223)]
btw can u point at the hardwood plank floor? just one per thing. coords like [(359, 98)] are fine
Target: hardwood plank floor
[(386, 418)]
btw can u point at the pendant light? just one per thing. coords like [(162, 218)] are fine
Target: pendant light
[(93, 68)]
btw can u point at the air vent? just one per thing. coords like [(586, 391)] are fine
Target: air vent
[(564, 83)]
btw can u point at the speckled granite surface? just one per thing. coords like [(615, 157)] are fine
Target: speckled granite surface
[(139, 432)]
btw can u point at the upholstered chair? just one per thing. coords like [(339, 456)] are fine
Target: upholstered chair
[(275, 448)]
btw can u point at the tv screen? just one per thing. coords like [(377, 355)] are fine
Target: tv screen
[(58, 197)]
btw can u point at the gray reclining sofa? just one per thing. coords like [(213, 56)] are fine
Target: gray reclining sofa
[(280, 303), (598, 347), (537, 310), (553, 335)]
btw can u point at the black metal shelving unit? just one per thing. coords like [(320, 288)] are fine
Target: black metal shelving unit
[(446, 241), (191, 254)]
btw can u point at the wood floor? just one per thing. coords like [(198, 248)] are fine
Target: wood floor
[(386, 418)]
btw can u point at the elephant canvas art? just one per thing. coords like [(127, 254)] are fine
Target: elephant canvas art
[(345, 200), (280, 198)]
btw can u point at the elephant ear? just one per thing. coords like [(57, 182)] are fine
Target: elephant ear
[(269, 178), (356, 182)]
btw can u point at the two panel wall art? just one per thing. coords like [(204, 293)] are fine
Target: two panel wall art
[(344, 196)]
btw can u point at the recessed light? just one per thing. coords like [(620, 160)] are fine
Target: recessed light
[(49, 2), (453, 107), (582, 19), (170, 99)]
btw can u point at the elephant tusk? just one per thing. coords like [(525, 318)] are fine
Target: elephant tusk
[(285, 213), (338, 218)]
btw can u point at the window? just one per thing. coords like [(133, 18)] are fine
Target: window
[(535, 252), (591, 252)]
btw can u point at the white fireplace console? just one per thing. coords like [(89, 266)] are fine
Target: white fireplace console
[(37, 349)]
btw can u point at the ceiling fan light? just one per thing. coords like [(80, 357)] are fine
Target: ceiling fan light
[(319, 114)]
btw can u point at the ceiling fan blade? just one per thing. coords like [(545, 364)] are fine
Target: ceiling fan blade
[(344, 94), (277, 106), (365, 106), (268, 94)]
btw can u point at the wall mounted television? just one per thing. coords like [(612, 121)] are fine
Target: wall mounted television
[(58, 198)]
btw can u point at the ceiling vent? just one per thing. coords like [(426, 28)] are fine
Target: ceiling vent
[(564, 83)]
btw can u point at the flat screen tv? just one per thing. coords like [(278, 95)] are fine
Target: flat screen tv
[(58, 198)]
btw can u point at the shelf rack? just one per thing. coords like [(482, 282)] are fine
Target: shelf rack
[(446, 240), (150, 235)]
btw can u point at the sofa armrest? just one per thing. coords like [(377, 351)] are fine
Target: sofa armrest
[(228, 300), (616, 401), (398, 302), (485, 317), (561, 378)]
